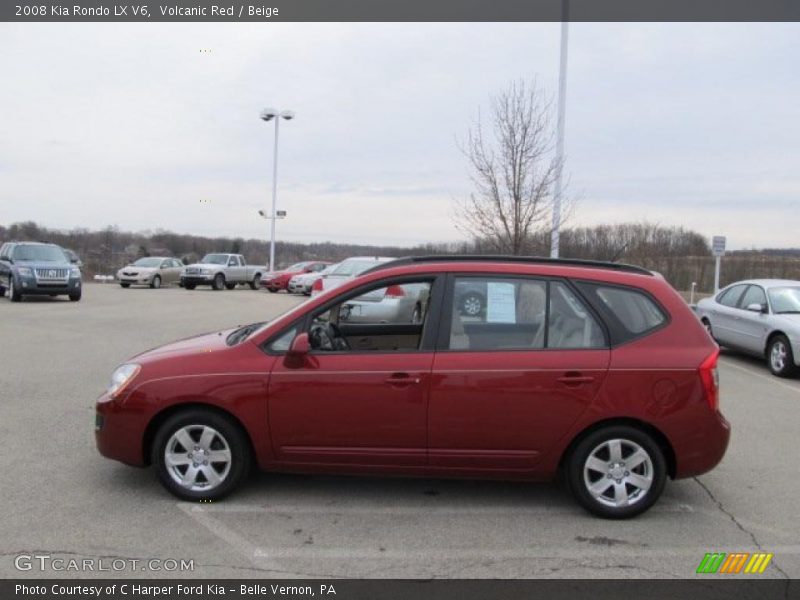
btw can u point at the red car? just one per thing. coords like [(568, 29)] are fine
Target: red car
[(599, 372), (279, 280)]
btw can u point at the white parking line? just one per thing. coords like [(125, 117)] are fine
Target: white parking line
[(770, 378)]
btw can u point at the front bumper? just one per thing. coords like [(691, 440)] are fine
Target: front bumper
[(136, 280), (30, 286), (118, 433), (197, 279)]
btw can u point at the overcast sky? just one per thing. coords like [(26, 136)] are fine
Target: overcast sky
[(132, 125)]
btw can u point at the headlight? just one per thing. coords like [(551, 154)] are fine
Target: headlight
[(205, 271), (75, 272), (25, 271), (121, 377)]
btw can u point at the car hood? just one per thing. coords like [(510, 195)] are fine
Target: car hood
[(198, 344), (140, 269), (42, 264)]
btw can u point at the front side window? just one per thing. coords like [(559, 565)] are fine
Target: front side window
[(753, 295), (519, 314), (388, 318)]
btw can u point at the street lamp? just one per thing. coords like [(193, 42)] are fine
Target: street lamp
[(268, 114), (555, 240)]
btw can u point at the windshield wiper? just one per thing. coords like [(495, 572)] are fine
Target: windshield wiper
[(237, 335)]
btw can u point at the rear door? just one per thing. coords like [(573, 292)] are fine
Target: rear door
[(725, 315), (751, 328), (509, 381)]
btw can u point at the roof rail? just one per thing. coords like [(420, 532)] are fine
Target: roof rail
[(533, 260)]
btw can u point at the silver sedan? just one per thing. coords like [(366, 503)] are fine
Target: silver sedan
[(760, 317)]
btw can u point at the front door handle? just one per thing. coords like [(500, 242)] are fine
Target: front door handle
[(401, 380), (575, 379)]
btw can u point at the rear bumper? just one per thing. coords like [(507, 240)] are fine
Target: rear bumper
[(705, 449)]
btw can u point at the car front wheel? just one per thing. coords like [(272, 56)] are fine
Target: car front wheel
[(156, 283), (616, 472), (13, 292), (200, 455), (780, 357), (219, 282), (254, 285)]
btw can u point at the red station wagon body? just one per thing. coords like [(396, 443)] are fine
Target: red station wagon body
[(507, 414)]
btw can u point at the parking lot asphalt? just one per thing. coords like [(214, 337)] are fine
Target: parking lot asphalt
[(62, 499)]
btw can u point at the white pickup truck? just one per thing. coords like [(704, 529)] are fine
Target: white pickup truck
[(221, 271)]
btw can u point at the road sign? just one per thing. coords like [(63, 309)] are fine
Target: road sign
[(718, 245)]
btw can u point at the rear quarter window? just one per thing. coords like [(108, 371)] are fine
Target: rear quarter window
[(630, 313)]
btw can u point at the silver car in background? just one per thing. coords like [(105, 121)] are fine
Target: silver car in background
[(302, 283), (153, 271), (760, 317), (402, 303), (345, 271)]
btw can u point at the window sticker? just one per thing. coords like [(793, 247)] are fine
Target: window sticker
[(500, 303)]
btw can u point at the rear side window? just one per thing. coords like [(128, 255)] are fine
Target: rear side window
[(730, 297), (630, 312)]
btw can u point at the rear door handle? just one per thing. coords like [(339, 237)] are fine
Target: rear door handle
[(401, 380), (575, 379)]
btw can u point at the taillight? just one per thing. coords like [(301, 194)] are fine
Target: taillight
[(317, 286), (710, 378), (394, 291)]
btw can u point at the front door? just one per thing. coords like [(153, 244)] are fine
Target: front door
[(509, 381), (360, 397)]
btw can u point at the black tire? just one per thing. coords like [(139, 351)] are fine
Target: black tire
[(156, 283), (256, 283), (125, 285), (271, 291), (578, 480), (230, 286), (75, 296), (471, 304), (219, 282), (13, 293), (230, 432), (189, 286), (707, 324), (780, 357)]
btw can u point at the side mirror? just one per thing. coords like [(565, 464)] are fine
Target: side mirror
[(74, 261), (756, 307), (296, 355), (300, 345)]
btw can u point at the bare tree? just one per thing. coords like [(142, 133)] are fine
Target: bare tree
[(513, 168)]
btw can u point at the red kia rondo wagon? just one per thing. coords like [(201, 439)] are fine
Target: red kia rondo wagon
[(596, 372)]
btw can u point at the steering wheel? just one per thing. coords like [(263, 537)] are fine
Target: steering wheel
[(327, 336)]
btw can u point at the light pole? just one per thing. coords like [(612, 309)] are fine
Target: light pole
[(562, 106), (267, 115)]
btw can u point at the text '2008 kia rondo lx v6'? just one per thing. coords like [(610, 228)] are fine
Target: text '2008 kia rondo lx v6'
[(596, 372)]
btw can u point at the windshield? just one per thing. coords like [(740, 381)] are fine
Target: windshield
[(148, 262), (39, 253), (297, 266), (353, 267), (215, 259), (785, 300)]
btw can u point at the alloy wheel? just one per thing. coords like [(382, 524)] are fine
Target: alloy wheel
[(198, 458), (777, 356), (618, 473)]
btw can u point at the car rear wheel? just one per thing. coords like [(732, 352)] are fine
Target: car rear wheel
[(13, 293), (200, 455), (271, 291), (125, 285), (219, 281), (780, 357), (254, 285), (189, 286), (230, 286), (156, 283), (616, 472)]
